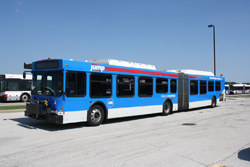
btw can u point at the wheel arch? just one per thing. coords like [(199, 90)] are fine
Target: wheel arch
[(168, 99), (214, 97), (25, 93), (215, 101), (101, 104), (171, 106)]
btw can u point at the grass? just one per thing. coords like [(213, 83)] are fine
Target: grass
[(12, 107)]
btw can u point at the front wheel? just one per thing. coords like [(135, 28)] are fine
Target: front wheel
[(95, 115), (167, 108)]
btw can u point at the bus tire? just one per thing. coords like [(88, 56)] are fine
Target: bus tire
[(167, 108), (213, 102), (24, 97), (95, 115)]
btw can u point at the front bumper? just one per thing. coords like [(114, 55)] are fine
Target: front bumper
[(35, 111)]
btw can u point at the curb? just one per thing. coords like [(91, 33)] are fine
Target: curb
[(12, 111)]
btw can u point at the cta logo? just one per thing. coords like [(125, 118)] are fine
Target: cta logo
[(97, 68)]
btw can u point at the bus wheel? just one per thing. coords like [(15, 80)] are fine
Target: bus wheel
[(25, 97), (95, 115), (213, 103), (167, 108)]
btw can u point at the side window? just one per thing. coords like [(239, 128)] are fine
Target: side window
[(75, 84), (145, 87), (210, 86), (193, 87), (125, 86), (25, 85), (161, 85), (217, 86), (100, 85), (203, 87), (173, 86), (13, 85)]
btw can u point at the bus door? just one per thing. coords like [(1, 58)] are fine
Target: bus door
[(75, 91), (183, 92)]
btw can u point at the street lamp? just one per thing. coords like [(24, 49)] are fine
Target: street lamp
[(209, 26)]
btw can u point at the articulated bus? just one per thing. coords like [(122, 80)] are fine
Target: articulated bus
[(67, 91), (240, 89), (14, 88)]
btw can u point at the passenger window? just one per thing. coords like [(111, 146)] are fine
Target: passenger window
[(145, 87), (173, 86), (217, 86), (75, 84), (210, 86), (203, 87), (161, 85), (25, 85), (125, 86), (193, 87), (100, 85)]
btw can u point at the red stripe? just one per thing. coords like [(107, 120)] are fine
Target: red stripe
[(139, 71), (195, 77)]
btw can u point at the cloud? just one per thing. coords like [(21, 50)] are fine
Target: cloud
[(19, 3), (21, 13), (18, 11)]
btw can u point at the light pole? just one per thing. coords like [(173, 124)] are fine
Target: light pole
[(214, 46)]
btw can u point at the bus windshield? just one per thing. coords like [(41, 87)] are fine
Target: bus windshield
[(3, 85), (47, 83)]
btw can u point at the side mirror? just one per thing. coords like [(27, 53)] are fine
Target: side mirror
[(27, 66), (24, 75)]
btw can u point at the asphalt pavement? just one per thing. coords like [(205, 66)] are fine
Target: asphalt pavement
[(205, 137)]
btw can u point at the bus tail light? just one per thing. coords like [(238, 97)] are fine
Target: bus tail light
[(221, 97), (5, 95)]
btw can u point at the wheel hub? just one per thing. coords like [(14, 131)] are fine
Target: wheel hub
[(96, 115)]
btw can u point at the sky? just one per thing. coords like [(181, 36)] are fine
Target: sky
[(170, 34)]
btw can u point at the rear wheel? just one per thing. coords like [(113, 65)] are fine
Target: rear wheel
[(167, 108), (213, 103), (95, 115), (25, 97)]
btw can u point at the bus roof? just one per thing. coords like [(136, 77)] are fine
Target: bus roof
[(240, 85), (119, 66), (193, 72), (123, 63)]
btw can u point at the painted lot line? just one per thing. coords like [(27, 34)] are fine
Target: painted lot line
[(198, 138)]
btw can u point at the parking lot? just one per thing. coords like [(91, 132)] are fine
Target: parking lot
[(206, 137)]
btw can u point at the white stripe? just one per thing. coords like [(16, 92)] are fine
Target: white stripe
[(199, 104), (132, 111), (75, 116)]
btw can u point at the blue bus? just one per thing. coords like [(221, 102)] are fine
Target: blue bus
[(67, 91)]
